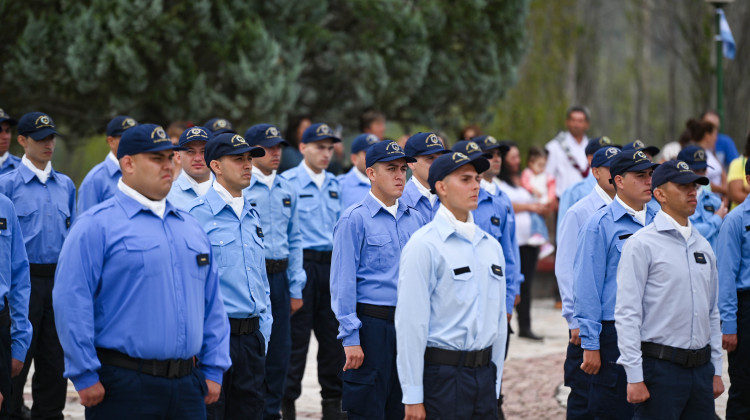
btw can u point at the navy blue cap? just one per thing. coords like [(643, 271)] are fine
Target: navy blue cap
[(4, 117), (604, 157), (144, 138), (318, 132), (596, 144), (363, 142), (219, 126), (119, 124), (630, 161), (694, 156), (638, 145), (385, 151), (488, 143), (421, 144), (194, 134), (36, 125), (229, 144), (266, 135), (676, 171), (444, 165), (469, 148)]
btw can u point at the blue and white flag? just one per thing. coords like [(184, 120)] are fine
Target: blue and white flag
[(726, 35)]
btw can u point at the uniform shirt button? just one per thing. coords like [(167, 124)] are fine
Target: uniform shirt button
[(214, 223), (221, 242)]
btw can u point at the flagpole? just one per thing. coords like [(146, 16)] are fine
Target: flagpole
[(719, 66)]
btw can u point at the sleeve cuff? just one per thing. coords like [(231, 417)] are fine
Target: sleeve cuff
[(85, 380), (352, 339), (717, 367), (634, 373), (18, 353), (413, 394), (212, 373), (729, 327), (572, 322)]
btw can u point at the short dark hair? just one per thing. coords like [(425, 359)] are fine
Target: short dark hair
[(368, 117), (291, 128), (578, 108), (698, 128)]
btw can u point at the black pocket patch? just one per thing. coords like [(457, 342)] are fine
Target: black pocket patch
[(747, 227), (699, 257), (286, 202), (259, 231), (3, 223), (497, 270), (333, 194), (67, 223), (709, 208), (495, 221), (626, 236), (461, 270), (202, 260)]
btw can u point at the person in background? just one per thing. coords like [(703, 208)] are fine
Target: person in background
[(566, 160), (523, 206), (218, 126), (726, 150), (355, 184), (195, 179), (8, 162), (291, 156), (541, 185), (470, 132), (373, 122), (174, 130), (425, 148), (669, 151), (704, 134), (737, 186)]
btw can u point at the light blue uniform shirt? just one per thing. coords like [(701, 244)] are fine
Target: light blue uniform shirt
[(494, 215), (182, 194), (734, 263), (99, 184), (574, 194), (14, 279), (238, 250), (353, 189), (45, 211), (567, 244), (319, 209), (10, 164), (279, 219), (704, 219), (413, 198), (442, 305), (667, 293), (148, 287), (598, 251), (367, 243)]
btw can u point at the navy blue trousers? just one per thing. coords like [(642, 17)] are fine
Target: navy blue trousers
[(5, 364), (579, 383), (676, 392), (48, 386), (277, 359), (316, 315), (738, 404), (133, 395), (608, 394), (373, 391), (242, 387), (457, 392)]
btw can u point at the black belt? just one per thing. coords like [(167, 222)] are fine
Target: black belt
[(318, 256), (42, 270), (474, 358), (276, 266), (743, 293), (376, 311), (176, 368), (682, 357), (5, 315), (244, 326)]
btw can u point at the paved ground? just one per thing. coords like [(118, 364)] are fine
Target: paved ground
[(532, 382)]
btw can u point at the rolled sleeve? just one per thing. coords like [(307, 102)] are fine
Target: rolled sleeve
[(347, 246), (589, 269), (729, 254), (632, 274)]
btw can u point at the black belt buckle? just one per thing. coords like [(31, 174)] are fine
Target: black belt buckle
[(173, 369)]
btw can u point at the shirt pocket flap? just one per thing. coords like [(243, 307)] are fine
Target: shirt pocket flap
[(139, 244), (64, 209), (221, 240), (24, 209), (378, 240), (195, 247)]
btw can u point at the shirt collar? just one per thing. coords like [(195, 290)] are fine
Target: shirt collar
[(664, 222), (4, 157), (237, 204), (625, 209), (43, 175), (133, 202), (363, 179), (491, 187), (112, 164), (259, 176), (374, 205), (317, 179), (602, 194), (445, 227)]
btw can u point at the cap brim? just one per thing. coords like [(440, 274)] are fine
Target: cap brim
[(273, 142), (480, 164), (183, 143), (222, 131), (10, 121), (409, 159), (688, 177), (321, 138), (43, 133), (255, 151), (441, 151), (641, 167), (502, 148), (651, 150)]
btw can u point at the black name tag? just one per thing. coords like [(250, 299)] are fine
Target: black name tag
[(461, 270), (67, 223), (286, 202), (3, 224), (699, 257), (709, 208), (497, 270), (259, 231), (305, 196), (253, 203), (621, 237), (202, 259), (495, 221), (747, 227), (333, 194)]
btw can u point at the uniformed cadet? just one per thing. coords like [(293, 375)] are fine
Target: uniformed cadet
[(595, 280), (575, 218), (582, 188), (219, 126), (710, 210), (45, 203), (355, 184), (15, 288), (195, 178), (8, 162), (666, 313), (425, 148), (450, 318), (233, 227), (734, 303), (275, 200), (367, 243), (137, 300), (319, 208), (101, 181)]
